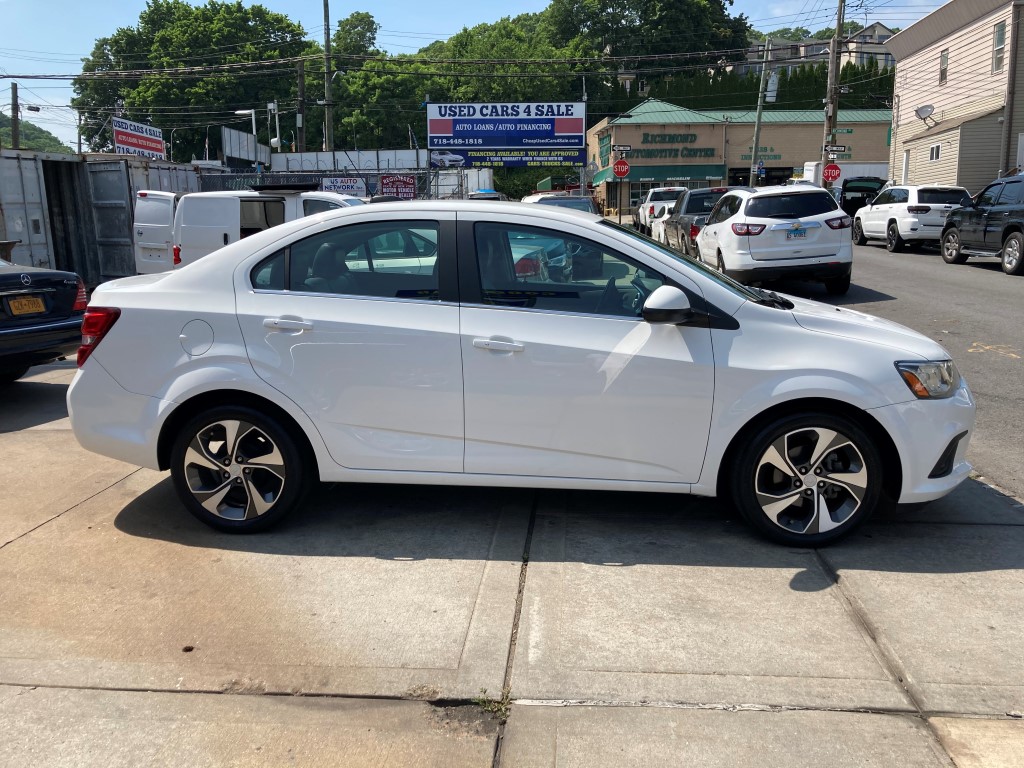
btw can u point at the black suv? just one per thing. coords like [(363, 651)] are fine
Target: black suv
[(990, 224)]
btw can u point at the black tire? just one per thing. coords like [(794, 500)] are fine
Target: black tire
[(837, 286), (757, 481), (720, 263), (893, 242), (858, 233), (950, 246), (11, 375), (1012, 254), (239, 488)]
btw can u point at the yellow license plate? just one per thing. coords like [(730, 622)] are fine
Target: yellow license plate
[(27, 305)]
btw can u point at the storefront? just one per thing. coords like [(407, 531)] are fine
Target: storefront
[(674, 146)]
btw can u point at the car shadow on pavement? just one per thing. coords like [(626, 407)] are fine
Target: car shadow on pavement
[(975, 529), (857, 294), (26, 404)]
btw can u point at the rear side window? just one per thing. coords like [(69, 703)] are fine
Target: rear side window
[(701, 204), (791, 206), (1011, 193), (269, 274), (311, 206), (941, 196)]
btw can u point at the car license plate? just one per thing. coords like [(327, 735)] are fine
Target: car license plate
[(796, 234), (26, 305)]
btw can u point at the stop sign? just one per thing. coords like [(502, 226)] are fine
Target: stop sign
[(831, 172), (621, 168)]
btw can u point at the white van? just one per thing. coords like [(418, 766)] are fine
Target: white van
[(173, 230)]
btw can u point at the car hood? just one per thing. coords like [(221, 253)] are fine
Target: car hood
[(840, 321)]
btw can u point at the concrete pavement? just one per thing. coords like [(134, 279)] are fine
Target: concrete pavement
[(625, 628)]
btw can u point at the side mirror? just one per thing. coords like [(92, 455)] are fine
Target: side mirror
[(667, 305)]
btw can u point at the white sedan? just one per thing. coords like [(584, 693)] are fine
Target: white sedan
[(400, 343)]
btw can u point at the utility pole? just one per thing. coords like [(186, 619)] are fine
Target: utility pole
[(15, 117), (754, 176), (80, 131), (328, 116), (832, 95), (300, 117)]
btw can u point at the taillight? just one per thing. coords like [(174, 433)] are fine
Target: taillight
[(81, 299), (918, 208), (748, 229), (694, 231), (528, 266), (650, 211), (843, 222), (177, 254), (95, 324)]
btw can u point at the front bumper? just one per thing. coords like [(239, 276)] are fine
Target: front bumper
[(922, 431)]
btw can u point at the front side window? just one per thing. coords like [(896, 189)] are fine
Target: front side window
[(943, 65), (534, 268), (702, 204), (989, 195), (998, 46), (794, 206), (883, 199)]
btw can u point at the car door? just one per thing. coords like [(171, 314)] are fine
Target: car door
[(359, 337), (874, 215), (564, 379), (975, 218), (1000, 213)]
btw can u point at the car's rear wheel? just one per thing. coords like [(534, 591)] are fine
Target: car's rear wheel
[(807, 479), (837, 286), (951, 247), (238, 470), (11, 375), (720, 263), (1012, 256), (893, 242), (858, 233)]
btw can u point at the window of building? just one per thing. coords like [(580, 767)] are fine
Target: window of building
[(998, 46), (943, 65), (934, 151)]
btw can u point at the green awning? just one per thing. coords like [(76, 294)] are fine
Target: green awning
[(673, 173)]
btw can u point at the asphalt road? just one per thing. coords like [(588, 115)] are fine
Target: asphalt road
[(977, 313)]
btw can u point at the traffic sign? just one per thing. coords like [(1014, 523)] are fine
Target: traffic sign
[(760, 163), (622, 147), (620, 169), (831, 172), (844, 130), (835, 147)]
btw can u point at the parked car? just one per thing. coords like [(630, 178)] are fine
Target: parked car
[(661, 214), (41, 313), (442, 158), (248, 382), (681, 227), (770, 233), (991, 224), (487, 194), (173, 229), (646, 210), (856, 191), (906, 214)]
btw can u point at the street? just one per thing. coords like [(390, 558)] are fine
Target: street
[(402, 625)]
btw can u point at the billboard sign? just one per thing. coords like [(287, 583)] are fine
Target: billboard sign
[(507, 134), (346, 185), (131, 138), (399, 186)]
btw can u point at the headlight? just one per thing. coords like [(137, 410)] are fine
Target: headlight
[(931, 379)]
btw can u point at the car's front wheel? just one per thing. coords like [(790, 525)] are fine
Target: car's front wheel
[(1012, 258), (858, 233), (807, 479), (237, 469), (951, 247)]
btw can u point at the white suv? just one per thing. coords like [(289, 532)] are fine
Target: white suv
[(655, 200), (779, 232), (907, 213)]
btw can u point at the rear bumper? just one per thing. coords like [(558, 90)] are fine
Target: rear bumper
[(825, 270), (38, 344)]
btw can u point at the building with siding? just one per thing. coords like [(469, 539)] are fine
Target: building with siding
[(676, 146), (955, 116)]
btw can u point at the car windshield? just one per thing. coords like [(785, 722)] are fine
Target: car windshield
[(791, 206), (941, 196), (703, 203), (578, 203), (665, 194), (718, 277)]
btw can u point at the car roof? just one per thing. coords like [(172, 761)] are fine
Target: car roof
[(780, 189)]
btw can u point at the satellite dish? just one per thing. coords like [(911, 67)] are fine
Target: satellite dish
[(924, 112)]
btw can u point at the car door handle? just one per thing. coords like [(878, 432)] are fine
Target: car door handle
[(498, 345), (287, 324)]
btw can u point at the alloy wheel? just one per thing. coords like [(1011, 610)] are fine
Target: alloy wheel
[(811, 480), (1011, 255), (234, 470)]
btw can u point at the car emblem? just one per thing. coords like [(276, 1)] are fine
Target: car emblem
[(795, 225), (26, 280)]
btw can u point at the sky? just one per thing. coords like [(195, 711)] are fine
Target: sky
[(52, 36)]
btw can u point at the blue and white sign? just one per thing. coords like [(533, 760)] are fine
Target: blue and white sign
[(507, 134)]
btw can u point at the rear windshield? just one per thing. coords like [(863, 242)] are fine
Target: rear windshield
[(703, 203), (791, 206), (667, 194), (868, 186), (941, 196)]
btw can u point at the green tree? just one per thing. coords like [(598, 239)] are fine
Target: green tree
[(356, 35), (785, 33), (849, 28), (31, 136)]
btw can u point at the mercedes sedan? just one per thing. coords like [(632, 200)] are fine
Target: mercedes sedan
[(317, 350)]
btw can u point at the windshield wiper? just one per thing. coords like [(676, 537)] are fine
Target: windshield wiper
[(771, 298)]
